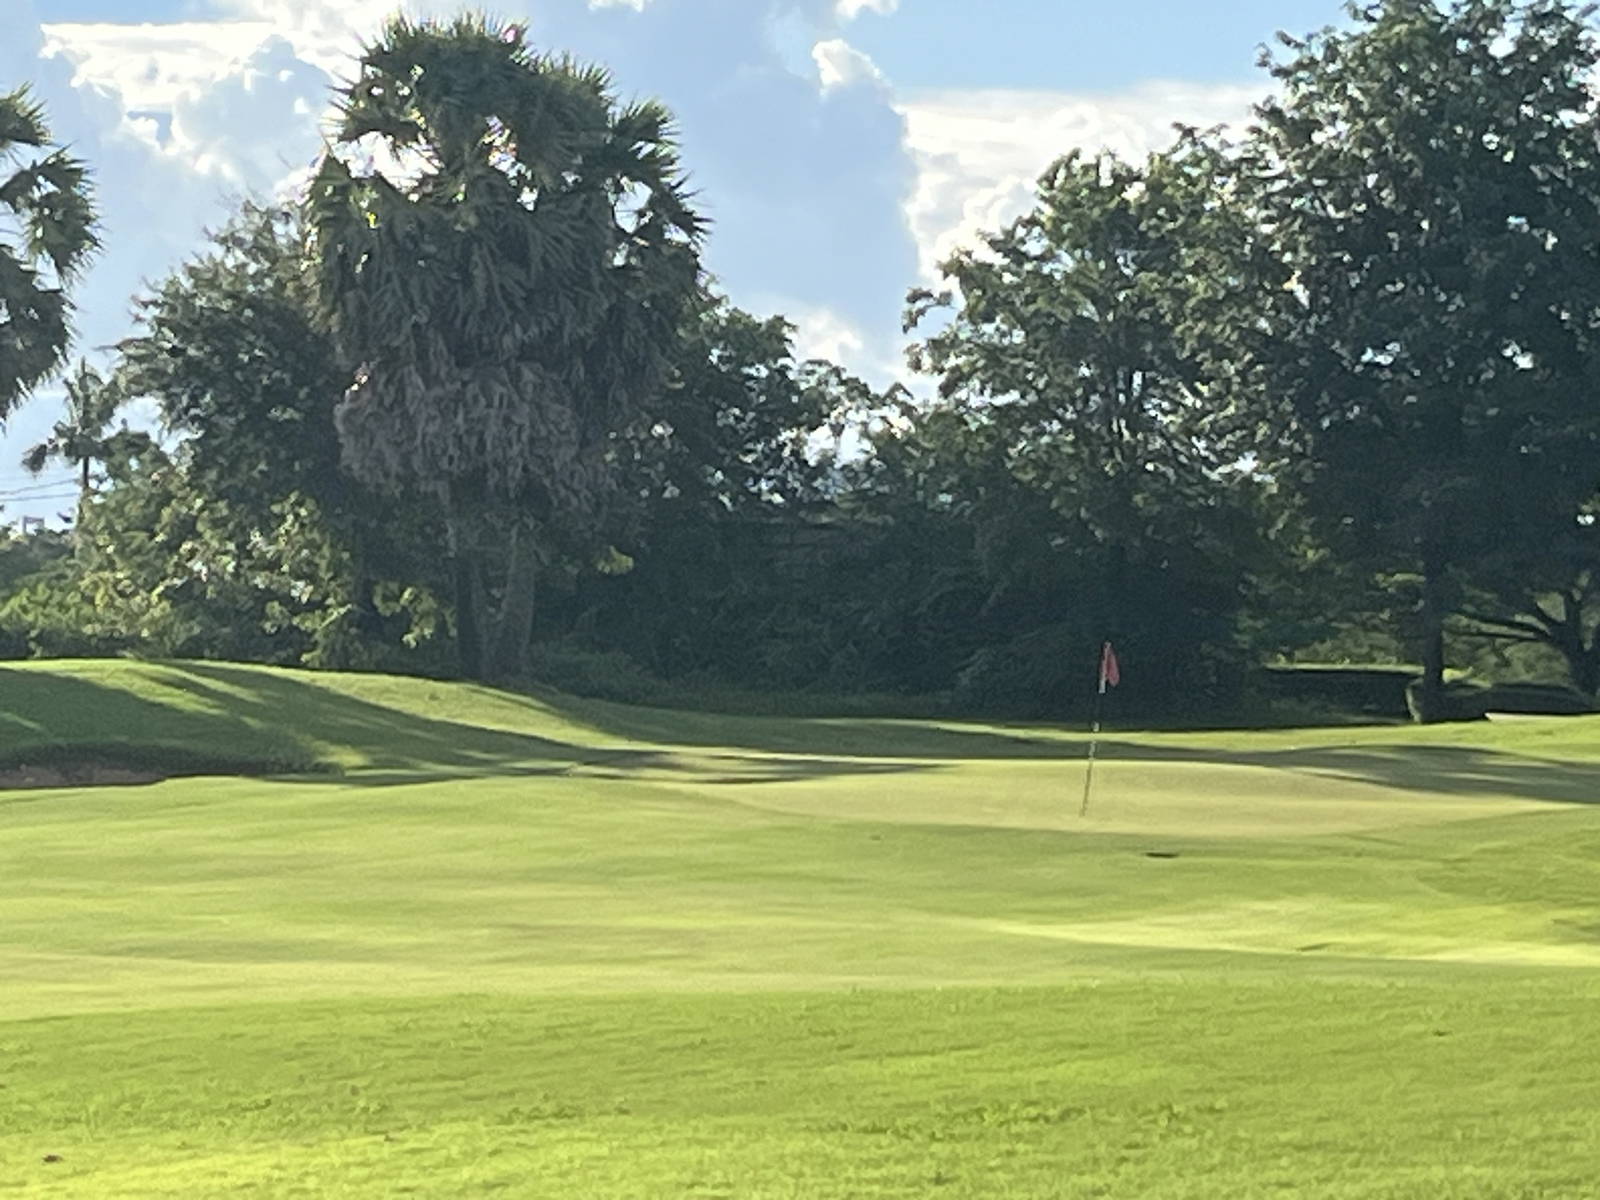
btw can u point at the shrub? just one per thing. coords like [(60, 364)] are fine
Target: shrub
[(598, 674), (1043, 673), (1463, 700), (1546, 699), (1374, 691), (1050, 673)]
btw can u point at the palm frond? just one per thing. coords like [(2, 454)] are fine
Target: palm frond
[(38, 457), (22, 120)]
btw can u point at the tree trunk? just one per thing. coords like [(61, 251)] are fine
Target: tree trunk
[(514, 628), (1567, 635), (78, 549), (1583, 664), (469, 634), (467, 586), (1430, 695)]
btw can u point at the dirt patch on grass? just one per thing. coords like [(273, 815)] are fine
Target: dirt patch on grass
[(73, 775)]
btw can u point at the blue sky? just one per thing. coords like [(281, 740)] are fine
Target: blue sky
[(1081, 45), (842, 146)]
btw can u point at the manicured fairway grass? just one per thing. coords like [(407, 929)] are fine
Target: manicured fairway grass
[(484, 944)]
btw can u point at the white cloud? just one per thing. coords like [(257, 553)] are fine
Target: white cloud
[(325, 33), (979, 154), (149, 66), (841, 65), (823, 333), (849, 10), (271, 93), (229, 101)]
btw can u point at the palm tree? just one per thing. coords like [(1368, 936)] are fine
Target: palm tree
[(81, 438), (513, 285), (47, 233)]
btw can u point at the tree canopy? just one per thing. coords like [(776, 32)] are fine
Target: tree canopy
[(1429, 181), (48, 205)]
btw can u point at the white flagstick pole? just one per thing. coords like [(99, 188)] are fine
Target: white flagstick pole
[(1094, 737)]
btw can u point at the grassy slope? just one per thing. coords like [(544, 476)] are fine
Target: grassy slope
[(558, 948)]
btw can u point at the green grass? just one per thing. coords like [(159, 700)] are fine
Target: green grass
[(477, 943)]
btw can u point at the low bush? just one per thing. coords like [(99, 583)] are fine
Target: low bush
[(580, 670), (1543, 699), (597, 674), (1374, 691), (1463, 700)]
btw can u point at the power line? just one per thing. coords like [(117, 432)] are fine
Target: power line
[(41, 499), (15, 481), (23, 492), (52, 485)]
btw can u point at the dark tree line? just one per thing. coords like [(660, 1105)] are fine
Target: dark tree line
[(478, 412)]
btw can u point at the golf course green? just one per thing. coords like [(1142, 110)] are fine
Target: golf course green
[(375, 937)]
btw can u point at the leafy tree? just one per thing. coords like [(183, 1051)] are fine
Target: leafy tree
[(46, 200), (735, 426), (1430, 181), (927, 491), (163, 565), (728, 476), (23, 555), (514, 288), (232, 351), (1087, 435), (104, 598)]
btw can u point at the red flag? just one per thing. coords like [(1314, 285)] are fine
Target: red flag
[(1110, 671)]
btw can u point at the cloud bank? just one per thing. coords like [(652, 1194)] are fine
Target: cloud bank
[(978, 154)]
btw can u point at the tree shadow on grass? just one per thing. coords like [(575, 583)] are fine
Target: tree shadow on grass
[(1462, 770), (221, 719), (203, 718), (385, 737), (660, 766), (845, 737), (46, 716), (408, 747), (249, 716), (1451, 770)]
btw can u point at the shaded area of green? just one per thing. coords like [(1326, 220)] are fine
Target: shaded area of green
[(251, 712)]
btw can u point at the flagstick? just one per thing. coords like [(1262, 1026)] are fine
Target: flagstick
[(1094, 744)]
